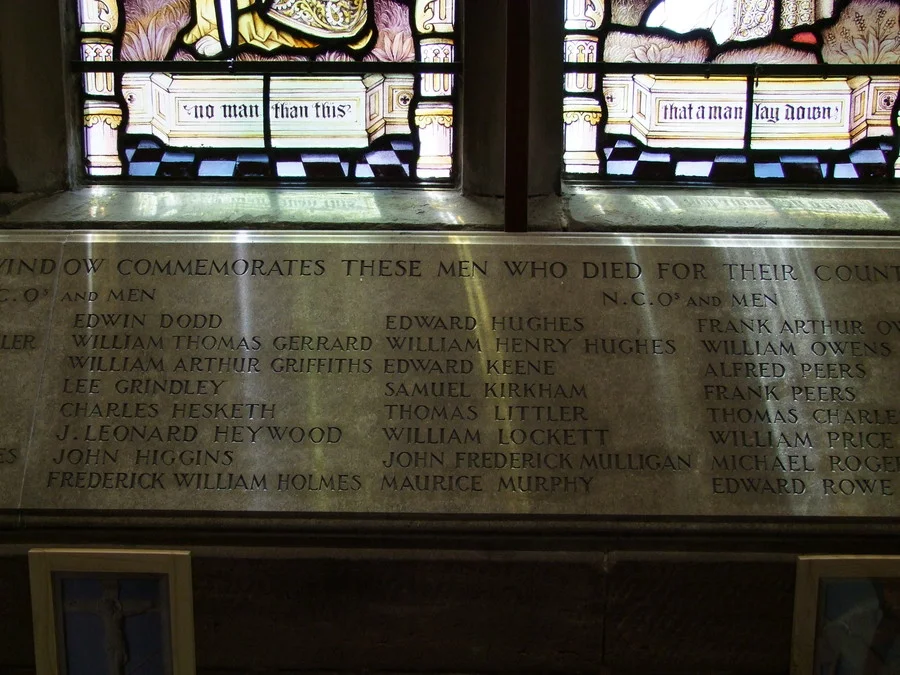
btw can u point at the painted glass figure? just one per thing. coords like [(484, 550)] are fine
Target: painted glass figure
[(301, 24), (799, 91)]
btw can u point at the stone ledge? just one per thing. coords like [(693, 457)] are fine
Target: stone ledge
[(783, 537), (103, 207), (743, 210), (11, 201), (579, 209)]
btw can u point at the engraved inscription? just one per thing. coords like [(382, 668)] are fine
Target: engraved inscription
[(467, 377), (27, 277)]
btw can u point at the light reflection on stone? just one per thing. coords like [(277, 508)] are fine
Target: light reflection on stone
[(811, 207), (272, 205)]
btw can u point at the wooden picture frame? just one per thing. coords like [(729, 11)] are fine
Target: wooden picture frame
[(114, 607), (846, 616)]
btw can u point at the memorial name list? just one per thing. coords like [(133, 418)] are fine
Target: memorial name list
[(430, 376)]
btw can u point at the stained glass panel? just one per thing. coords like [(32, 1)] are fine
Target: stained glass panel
[(287, 90), (801, 91)]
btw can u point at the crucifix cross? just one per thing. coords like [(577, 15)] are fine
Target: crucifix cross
[(113, 611)]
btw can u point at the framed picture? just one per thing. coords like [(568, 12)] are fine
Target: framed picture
[(847, 616), (112, 612)]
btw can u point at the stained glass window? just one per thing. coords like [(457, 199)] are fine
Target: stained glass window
[(353, 91), (801, 91)]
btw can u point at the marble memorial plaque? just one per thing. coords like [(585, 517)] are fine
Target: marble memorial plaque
[(28, 273), (464, 375)]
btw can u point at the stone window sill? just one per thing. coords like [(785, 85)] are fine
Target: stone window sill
[(579, 209), (730, 210), (102, 207)]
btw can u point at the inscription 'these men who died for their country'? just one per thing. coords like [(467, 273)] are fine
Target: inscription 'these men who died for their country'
[(774, 400)]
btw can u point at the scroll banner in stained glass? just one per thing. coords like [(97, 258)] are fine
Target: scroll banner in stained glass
[(273, 89), (187, 110), (826, 114), (732, 90)]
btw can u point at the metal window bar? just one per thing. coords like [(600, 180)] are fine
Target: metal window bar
[(264, 67), (518, 48)]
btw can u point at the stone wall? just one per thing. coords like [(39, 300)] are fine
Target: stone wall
[(32, 106), (7, 182), (660, 614)]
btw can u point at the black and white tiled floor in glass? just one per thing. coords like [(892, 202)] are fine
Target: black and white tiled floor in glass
[(388, 160), (868, 161)]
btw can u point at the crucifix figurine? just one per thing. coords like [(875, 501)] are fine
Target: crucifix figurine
[(113, 612)]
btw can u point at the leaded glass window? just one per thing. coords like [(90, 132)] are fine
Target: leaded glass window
[(801, 91), (353, 91)]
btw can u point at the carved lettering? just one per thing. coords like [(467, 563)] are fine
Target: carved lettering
[(595, 376)]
